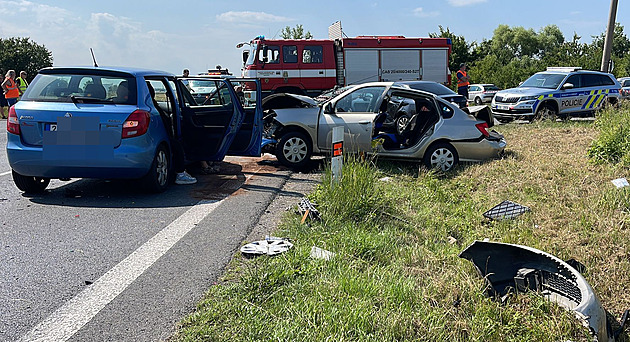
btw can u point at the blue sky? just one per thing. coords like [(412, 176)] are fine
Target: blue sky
[(197, 34)]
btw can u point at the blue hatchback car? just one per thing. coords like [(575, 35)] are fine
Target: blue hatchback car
[(123, 123)]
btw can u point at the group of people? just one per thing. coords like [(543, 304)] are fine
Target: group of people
[(12, 89)]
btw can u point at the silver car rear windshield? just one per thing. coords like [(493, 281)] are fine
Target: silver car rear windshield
[(82, 89), (548, 81)]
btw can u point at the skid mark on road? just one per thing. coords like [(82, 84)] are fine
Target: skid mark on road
[(62, 324)]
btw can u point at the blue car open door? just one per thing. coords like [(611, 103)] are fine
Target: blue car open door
[(249, 137), (209, 128)]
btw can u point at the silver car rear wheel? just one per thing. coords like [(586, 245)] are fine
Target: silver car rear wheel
[(442, 156)]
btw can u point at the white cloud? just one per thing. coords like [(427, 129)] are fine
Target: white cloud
[(461, 3), (36, 15), (420, 12), (251, 17)]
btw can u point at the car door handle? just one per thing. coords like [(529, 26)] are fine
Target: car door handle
[(364, 122)]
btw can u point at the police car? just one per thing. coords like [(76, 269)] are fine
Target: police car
[(556, 92)]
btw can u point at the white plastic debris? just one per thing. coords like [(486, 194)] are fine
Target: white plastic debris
[(620, 182), (269, 247), (385, 179), (318, 253)]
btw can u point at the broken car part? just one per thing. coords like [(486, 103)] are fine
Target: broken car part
[(620, 182), (268, 247), (318, 253), (509, 267), (505, 210), (307, 208)]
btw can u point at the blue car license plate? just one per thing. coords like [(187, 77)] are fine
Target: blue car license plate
[(50, 127)]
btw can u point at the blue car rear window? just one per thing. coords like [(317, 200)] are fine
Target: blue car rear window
[(82, 88)]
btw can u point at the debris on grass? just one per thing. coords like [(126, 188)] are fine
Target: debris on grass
[(511, 269), (307, 209), (620, 182), (318, 253), (268, 247), (505, 210)]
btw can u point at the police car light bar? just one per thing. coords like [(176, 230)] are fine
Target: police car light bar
[(564, 69)]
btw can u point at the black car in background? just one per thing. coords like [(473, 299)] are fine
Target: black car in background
[(437, 89)]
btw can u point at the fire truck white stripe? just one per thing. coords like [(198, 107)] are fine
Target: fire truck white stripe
[(307, 73)]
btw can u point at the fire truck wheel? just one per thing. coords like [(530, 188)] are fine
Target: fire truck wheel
[(294, 149)]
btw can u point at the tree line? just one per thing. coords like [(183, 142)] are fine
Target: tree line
[(515, 53), (21, 53)]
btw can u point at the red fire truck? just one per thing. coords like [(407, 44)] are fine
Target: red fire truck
[(309, 66)]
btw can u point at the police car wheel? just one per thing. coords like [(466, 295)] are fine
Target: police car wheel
[(546, 112), (478, 101)]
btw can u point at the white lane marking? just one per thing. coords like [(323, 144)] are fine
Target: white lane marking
[(5, 173), (62, 324)]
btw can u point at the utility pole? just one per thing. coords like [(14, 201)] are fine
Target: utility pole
[(610, 33)]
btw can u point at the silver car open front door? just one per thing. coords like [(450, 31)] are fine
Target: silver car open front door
[(356, 112)]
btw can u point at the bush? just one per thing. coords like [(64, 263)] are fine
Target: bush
[(613, 144)]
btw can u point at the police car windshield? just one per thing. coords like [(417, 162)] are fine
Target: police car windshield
[(548, 81)]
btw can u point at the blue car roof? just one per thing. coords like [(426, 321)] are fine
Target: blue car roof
[(106, 69)]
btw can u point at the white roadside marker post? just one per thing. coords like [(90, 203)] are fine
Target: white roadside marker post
[(337, 154)]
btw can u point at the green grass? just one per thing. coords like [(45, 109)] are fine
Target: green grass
[(613, 144), (397, 276)]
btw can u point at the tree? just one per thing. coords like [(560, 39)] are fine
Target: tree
[(460, 49), (295, 33), (21, 53)]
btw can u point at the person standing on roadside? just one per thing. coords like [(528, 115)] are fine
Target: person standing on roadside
[(463, 81), (10, 88), (185, 73), (3, 102), (21, 82)]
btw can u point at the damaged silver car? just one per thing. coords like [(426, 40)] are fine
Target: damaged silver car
[(437, 133)]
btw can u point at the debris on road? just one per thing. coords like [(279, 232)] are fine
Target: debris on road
[(318, 253), (505, 210), (268, 247)]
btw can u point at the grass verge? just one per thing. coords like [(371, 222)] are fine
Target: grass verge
[(397, 276)]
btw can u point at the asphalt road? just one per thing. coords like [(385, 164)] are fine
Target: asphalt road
[(94, 260)]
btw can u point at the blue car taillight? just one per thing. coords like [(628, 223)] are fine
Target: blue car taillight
[(13, 124), (137, 124)]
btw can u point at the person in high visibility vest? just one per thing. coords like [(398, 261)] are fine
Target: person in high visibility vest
[(21, 82), (10, 88), (463, 81)]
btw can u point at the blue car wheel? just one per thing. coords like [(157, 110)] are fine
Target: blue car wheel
[(156, 180), (30, 184)]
